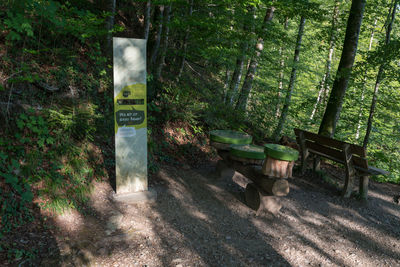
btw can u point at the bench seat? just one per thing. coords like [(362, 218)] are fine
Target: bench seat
[(350, 155)]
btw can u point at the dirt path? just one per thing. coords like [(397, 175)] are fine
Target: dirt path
[(200, 220)]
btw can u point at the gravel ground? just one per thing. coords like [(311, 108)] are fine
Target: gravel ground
[(199, 219)]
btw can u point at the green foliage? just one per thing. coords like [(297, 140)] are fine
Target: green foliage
[(15, 194), (17, 25), (74, 122)]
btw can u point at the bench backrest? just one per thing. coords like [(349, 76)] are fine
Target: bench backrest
[(332, 148)]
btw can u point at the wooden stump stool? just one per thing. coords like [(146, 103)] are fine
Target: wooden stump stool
[(280, 160), (278, 168)]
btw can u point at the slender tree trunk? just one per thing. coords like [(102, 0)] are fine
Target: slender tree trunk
[(281, 73), (325, 79), (147, 20), (110, 24), (164, 46), (285, 109), (251, 72), (185, 41), (156, 46), (227, 79), (379, 78), (335, 102), (236, 77), (371, 40), (237, 74)]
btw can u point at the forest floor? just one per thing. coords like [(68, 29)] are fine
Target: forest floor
[(200, 219)]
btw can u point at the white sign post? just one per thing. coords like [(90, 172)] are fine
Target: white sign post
[(130, 115)]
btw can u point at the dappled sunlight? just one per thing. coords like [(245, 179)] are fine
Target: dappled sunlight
[(71, 221)]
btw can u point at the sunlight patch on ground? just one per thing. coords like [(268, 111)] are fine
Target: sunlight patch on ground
[(70, 221)]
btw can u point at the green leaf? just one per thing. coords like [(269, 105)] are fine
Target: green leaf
[(23, 116), (3, 156), (35, 129), (13, 36), (41, 142), (20, 124), (10, 179), (40, 121), (50, 140), (27, 196)]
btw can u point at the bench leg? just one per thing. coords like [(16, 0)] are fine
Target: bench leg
[(317, 163), (363, 189), (348, 186), (304, 152), (350, 171)]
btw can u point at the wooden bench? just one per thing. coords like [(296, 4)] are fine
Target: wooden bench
[(352, 156)]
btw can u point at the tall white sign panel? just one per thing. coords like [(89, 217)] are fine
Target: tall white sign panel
[(130, 115)]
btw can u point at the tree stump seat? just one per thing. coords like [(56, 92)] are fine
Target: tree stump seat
[(262, 193), (350, 155), (280, 161)]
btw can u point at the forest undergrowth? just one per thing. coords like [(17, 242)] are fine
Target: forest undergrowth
[(56, 96)]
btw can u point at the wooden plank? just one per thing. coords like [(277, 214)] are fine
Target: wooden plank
[(325, 150), (358, 168), (376, 171), (323, 140), (360, 162), (336, 154)]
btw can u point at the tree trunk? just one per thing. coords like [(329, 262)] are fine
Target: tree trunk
[(147, 20), (257, 200), (335, 102), (379, 78), (164, 47), (110, 24), (157, 41), (281, 72), (325, 79), (251, 72), (185, 41), (371, 40), (237, 75), (226, 83), (271, 185), (285, 109)]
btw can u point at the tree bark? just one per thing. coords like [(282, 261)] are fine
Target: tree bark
[(259, 201), (371, 40), (147, 20), (271, 185), (335, 102), (164, 47), (110, 24), (156, 46), (325, 79), (227, 79), (379, 78), (185, 41), (285, 109), (237, 75), (251, 72), (281, 72)]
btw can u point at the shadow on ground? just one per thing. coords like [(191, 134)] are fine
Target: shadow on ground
[(199, 219)]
